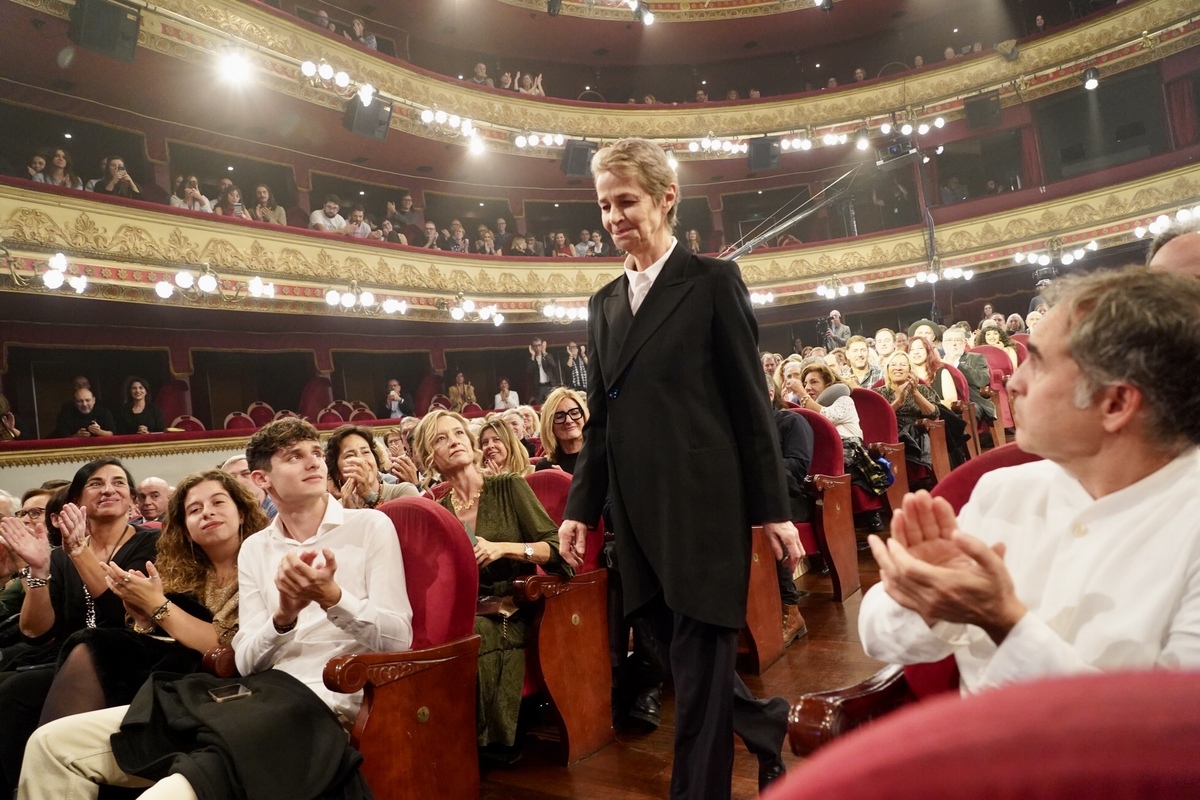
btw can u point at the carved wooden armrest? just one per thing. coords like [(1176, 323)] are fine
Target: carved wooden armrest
[(816, 485), (986, 391), (818, 718), (530, 589), (887, 450), (219, 661), (350, 673)]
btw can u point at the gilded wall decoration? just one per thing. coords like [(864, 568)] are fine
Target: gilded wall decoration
[(125, 251)]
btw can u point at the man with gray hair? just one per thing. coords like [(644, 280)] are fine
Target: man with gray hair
[(151, 499), (238, 467), (1085, 561), (1177, 249)]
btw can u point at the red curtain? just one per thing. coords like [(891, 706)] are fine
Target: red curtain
[(1181, 111), (1031, 159)]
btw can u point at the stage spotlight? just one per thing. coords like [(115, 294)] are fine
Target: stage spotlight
[(862, 141), (1091, 78)]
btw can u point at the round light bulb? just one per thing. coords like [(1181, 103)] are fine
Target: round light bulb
[(207, 283), (163, 289), (341, 80), (308, 69), (367, 299), (333, 297), (347, 300), (427, 116), (325, 71), (457, 313), (521, 140), (468, 305), (184, 279), (440, 117)]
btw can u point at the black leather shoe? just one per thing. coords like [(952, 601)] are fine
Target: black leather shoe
[(647, 708), (769, 771)]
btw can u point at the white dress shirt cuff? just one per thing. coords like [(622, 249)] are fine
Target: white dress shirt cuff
[(893, 634), (1031, 650)]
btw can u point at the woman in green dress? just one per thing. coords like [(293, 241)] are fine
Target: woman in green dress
[(512, 536)]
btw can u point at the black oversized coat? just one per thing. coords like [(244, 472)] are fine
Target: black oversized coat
[(681, 437)]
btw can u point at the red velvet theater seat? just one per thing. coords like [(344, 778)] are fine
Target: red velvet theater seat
[(1095, 737)]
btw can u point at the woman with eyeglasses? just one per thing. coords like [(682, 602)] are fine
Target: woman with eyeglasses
[(33, 514), (563, 416)]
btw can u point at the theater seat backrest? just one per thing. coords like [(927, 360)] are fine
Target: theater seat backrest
[(316, 395), (875, 416), (438, 562), (958, 485), (552, 487), (827, 445)]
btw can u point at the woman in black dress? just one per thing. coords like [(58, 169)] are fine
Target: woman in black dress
[(138, 414)]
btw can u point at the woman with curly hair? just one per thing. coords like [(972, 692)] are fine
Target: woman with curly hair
[(184, 604), (996, 336), (502, 450)]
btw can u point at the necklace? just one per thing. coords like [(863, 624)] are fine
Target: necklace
[(89, 605), (464, 507), (113, 551)]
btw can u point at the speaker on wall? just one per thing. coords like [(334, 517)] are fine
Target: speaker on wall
[(764, 153), (372, 120), (108, 27), (577, 158), (983, 111)]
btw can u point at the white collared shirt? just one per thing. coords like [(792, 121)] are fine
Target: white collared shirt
[(641, 281), (373, 614), (1110, 584)]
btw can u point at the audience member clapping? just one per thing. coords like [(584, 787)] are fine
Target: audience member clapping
[(68, 590), (357, 228), (265, 207), (479, 75), (531, 85), (59, 171), (355, 469), (911, 400), (506, 398), (501, 450)]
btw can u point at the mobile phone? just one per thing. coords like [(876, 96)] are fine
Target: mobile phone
[(121, 169), (234, 691), (237, 208)]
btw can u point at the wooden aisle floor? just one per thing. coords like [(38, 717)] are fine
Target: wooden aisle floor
[(637, 766)]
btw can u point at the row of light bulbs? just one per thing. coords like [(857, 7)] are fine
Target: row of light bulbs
[(1066, 257), (932, 276), (835, 288), (1162, 222), (762, 299), (557, 311), (56, 275)]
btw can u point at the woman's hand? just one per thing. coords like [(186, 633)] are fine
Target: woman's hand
[(141, 593), (404, 468), (486, 552), (348, 495), (72, 521), (363, 474), (26, 545), (142, 429)]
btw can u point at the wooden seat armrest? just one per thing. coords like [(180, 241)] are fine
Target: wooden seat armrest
[(532, 588), (219, 661), (816, 485), (350, 673), (986, 391), (818, 718)]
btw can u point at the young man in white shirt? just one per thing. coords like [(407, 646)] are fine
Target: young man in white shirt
[(1089, 560), (318, 582), (327, 217)]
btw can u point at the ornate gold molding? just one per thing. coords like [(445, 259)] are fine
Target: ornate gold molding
[(81, 453), (125, 251), (698, 11)]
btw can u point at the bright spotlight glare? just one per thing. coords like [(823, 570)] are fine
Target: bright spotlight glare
[(427, 116), (341, 80), (366, 93), (885, 128), (859, 287), (325, 71), (333, 297), (520, 141), (1019, 258), (207, 283), (693, 147), (163, 289), (347, 300), (234, 67), (910, 282), (922, 129), (308, 69), (440, 117), (476, 145), (673, 162), (1044, 260), (468, 305), (558, 140), (906, 128), (58, 261), (534, 140), (843, 291), (1067, 259), (648, 18), (805, 144), (457, 314), (498, 320), (939, 122)]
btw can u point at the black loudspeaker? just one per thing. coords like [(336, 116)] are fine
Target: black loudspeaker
[(983, 111), (764, 153), (105, 26), (372, 120), (577, 158)]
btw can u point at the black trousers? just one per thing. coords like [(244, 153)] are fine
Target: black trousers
[(711, 704), (22, 695)]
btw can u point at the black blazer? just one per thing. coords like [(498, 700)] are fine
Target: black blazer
[(681, 438), (550, 365)]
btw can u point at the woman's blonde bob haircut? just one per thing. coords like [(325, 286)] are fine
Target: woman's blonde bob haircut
[(645, 162), (549, 409), (426, 432)]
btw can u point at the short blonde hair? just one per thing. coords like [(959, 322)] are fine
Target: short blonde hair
[(644, 161), (518, 456), (549, 408), (423, 436)]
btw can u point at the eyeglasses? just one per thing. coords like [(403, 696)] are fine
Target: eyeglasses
[(32, 514), (561, 416)]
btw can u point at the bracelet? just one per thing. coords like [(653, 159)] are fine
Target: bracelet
[(282, 629), (143, 631), (32, 582), (371, 500), (161, 611)]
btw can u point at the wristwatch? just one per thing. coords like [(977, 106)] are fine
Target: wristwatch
[(371, 500), (528, 552)]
